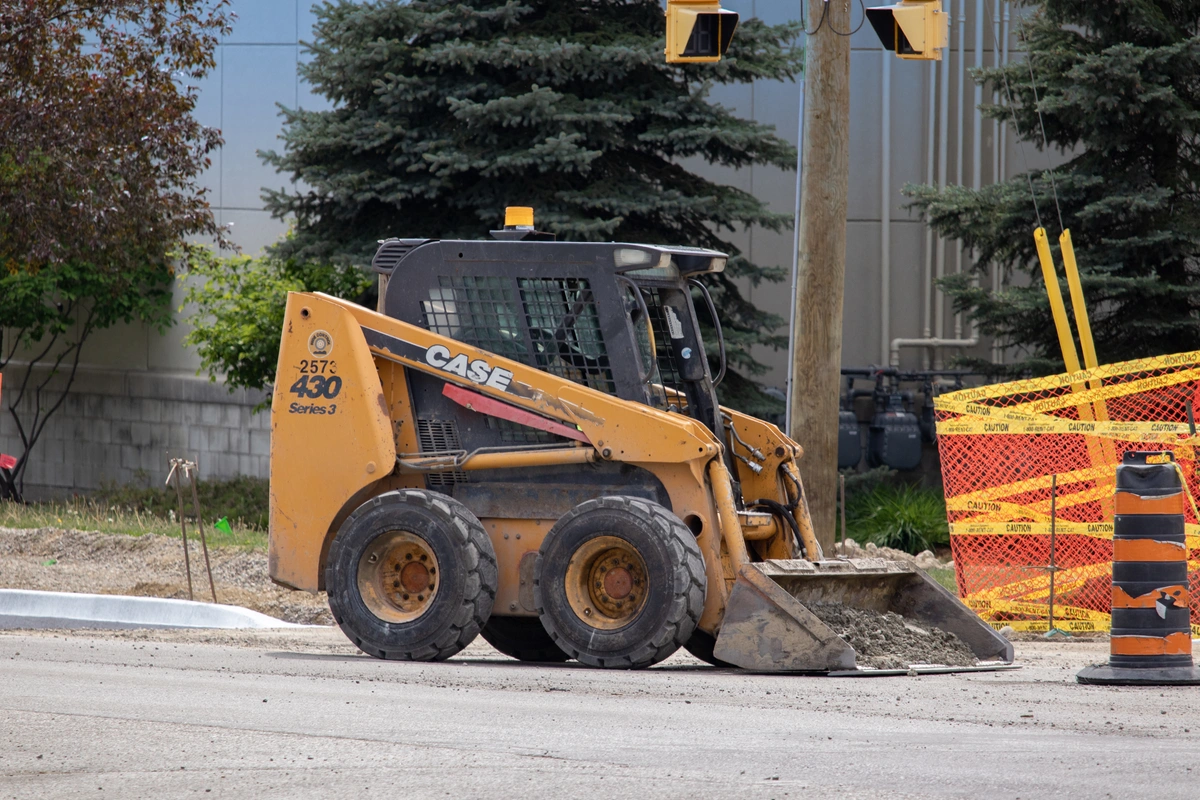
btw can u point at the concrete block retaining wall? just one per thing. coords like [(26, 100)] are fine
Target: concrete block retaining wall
[(119, 426)]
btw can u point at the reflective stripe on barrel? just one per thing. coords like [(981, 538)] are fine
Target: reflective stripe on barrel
[(1151, 625), (1148, 550), (1175, 644), (1136, 504)]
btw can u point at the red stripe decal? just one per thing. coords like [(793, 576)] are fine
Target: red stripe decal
[(494, 408)]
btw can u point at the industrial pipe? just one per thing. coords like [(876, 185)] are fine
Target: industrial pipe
[(961, 135), (885, 208), (931, 342)]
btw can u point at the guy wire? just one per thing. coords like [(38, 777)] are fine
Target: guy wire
[(1012, 113), (1042, 124), (824, 14)]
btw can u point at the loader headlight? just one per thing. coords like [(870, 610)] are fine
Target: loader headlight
[(629, 257)]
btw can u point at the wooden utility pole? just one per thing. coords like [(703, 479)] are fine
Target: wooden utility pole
[(821, 268)]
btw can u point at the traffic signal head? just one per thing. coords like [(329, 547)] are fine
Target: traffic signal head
[(914, 29), (698, 31)]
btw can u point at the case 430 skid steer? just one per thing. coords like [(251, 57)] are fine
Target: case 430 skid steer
[(527, 444)]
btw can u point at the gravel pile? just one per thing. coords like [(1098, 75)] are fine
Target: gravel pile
[(56, 560), (924, 560), (888, 641)]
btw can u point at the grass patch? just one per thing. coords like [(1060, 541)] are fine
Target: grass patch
[(903, 517), (90, 514), (242, 500), (944, 576)]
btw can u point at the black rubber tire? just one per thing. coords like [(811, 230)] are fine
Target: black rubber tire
[(701, 645), (467, 586), (674, 573), (524, 639)]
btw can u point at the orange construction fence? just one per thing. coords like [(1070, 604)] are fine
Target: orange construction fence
[(1002, 446)]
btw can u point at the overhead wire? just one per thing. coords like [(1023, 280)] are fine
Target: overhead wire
[(1013, 113), (825, 15), (1037, 105)]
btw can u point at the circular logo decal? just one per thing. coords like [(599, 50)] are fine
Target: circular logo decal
[(320, 343)]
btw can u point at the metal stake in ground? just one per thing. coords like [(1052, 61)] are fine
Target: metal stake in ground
[(1052, 567), (176, 464), (191, 468), (842, 500)]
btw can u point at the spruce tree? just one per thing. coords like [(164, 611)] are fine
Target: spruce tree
[(446, 111), (1118, 87)]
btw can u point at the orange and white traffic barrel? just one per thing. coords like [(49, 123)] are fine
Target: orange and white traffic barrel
[(1151, 640)]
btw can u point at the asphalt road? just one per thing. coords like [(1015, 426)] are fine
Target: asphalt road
[(296, 715)]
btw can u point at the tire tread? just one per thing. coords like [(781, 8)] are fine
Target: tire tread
[(686, 605), (481, 584)]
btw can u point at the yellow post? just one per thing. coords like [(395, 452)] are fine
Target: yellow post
[(1077, 304), (1082, 324), (1065, 339), (1099, 451)]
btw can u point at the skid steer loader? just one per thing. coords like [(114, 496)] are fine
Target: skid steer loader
[(526, 443)]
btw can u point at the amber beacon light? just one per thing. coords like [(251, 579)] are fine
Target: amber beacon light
[(915, 29), (698, 32)]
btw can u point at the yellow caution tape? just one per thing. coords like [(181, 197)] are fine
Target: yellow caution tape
[(1187, 491), (974, 424), (1067, 381), (1042, 626), (1000, 511), (1139, 386), (1036, 484), (1038, 586), (995, 509), (1096, 530), (1032, 408), (1034, 609), (1069, 625)]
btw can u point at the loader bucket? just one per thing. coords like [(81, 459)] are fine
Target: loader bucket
[(769, 626)]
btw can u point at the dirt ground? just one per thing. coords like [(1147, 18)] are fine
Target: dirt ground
[(55, 560)]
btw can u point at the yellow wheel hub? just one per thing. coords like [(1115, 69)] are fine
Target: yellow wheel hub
[(606, 583), (398, 576)]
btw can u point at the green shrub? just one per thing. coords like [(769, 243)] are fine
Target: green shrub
[(903, 517), (242, 499)]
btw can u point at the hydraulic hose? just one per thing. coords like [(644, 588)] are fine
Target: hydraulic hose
[(786, 513)]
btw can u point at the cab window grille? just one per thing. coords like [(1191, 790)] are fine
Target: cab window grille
[(439, 436), (565, 330), (668, 369), (479, 311)]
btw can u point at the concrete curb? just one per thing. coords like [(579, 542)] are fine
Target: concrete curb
[(21, 608)]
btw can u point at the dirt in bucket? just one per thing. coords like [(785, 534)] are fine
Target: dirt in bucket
[(885, 640)]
